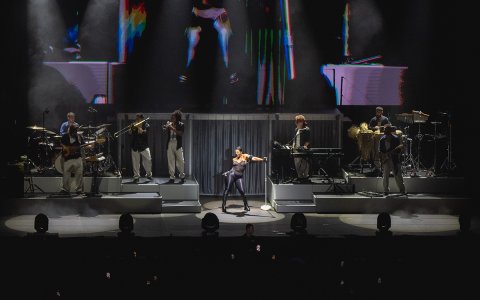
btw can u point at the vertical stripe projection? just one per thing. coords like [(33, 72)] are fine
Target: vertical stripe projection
[(287, 38), (346, 30)]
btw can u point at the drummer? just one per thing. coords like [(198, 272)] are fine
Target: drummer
[(66, 124), (379, 121)]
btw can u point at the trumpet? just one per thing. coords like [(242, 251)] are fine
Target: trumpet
[(166, 125), (129, 127)]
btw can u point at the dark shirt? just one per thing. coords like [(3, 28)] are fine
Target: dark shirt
[(240, 166), (202, 4), (304, 136), (394, 142), (140, 140), (76, 146), (382, 121), (180, 128)]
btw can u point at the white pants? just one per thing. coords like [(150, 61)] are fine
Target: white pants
[(146, 162), (75, 167), (387, 168), (302, 167), (175, 157)]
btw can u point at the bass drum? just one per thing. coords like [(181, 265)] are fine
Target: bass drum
[(59, 161)]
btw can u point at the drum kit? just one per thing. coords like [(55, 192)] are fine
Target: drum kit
[(45, 150), (412, 165)]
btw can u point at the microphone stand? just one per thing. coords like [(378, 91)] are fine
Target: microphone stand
[(266, 206)]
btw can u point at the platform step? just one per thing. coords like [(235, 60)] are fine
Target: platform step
[(292, 206)]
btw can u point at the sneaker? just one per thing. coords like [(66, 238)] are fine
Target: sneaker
[(171, 181), (385, 193), (136, 180), (182, 180), (149, 178)]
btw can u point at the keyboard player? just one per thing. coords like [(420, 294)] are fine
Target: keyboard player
[(301, 141)]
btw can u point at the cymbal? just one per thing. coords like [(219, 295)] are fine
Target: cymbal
[(87, 127), (57, 136), (103, 125), (40, 131), (35, 127), (436, 123)]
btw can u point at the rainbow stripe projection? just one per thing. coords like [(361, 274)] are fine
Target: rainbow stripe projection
[(345, 30), (133, 20), (287, 38), (270, 51)]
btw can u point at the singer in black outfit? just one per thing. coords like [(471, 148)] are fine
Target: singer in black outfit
[(235, 176)]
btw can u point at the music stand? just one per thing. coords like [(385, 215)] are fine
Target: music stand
[(31, 186)]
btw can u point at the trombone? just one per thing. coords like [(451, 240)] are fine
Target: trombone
[(127, 128)]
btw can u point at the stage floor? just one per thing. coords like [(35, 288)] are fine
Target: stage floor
[(232, 223)]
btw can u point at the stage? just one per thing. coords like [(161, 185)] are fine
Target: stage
[(360, 194), (118, 195)]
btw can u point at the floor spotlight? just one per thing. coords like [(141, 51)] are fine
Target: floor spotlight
[(41, 223), (210, 224), (125, 224), (384, 222), (298, 223)]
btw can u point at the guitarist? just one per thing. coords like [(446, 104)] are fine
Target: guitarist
[(73, 165), (390, 147)]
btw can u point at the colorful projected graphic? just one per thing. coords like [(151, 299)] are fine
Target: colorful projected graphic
[(346, 30), (133, 20), (287, 38), (366, 84)]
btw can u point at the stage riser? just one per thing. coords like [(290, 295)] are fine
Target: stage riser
[(86, 206), (411, 204), (415, 185), (54, 184)]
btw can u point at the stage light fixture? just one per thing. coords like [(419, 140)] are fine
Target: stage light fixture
[(298, 222), (210, 222), (125, 223), (41, 223), (384, 222)]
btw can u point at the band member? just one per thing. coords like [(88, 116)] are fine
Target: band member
[(175, 129), (140, 148), (73, 164), (66, 124), (235, 176), (207, 13), (390, 148), (301, 141), (379, 120)]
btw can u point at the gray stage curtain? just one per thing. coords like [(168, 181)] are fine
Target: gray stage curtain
[(213, 143), (214, 146)]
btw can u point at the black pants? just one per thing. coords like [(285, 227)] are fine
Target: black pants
[(231, 179)]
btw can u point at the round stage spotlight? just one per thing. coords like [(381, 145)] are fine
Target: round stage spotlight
[(125, 223), (41, 223), (298, 222), (210, 222), (384, 222)]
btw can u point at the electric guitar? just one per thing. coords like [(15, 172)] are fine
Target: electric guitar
[(384, 157), (69, 150)]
